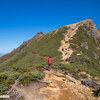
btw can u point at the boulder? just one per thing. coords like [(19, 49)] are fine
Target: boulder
[(92, 84), (85, 45), (95, 55)]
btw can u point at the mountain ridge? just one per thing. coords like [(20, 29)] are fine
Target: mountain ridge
[(7, 56), (76, 48)]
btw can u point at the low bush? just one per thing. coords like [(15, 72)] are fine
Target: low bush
[(84, 76), (30, 76)]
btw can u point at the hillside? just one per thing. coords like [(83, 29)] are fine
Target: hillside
[(76, 48), (36, 51), (26, 43)]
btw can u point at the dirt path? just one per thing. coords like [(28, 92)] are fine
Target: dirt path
[(60, 89), (63, 89), (65, 45), (30, 92)]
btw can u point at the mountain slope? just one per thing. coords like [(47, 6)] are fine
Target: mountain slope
[(26, 43), (38, 49), (80, 44), (76, 48), (86, 43), (23, 65)]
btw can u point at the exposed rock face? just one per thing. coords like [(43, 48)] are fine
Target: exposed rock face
[(5, 57), (94, 30), (39, 34)]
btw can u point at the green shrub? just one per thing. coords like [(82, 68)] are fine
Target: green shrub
[(4, 87), (3, 77), (20, 70), (84, 76), (30, 76)]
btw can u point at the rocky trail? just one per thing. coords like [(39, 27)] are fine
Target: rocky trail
[(65, 48), (59, 88), (65, 45)]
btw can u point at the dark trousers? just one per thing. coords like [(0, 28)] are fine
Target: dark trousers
[(49, 65)]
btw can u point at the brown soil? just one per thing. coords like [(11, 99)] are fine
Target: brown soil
[(60, 89), (65, 45)]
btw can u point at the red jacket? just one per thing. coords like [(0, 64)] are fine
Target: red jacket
[(50, 60)]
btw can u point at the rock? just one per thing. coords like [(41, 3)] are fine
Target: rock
[(96, 92), (84, 44), (46, 67), (52, 85), (95, 55), (18, 96), (78, 54), (88, 33), (63, 79), (94, 30), (22, 86), (71, 79), (92, 84)]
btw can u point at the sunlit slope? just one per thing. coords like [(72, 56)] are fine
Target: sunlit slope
[(34, 53)]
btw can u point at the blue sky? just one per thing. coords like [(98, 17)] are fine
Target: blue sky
[(20, 20)]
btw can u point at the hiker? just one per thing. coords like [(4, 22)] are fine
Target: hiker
[(50, 60)]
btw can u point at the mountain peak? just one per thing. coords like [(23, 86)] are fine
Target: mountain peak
[(87, 22), (90, 25), (39, 34)]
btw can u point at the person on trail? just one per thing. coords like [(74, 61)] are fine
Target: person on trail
[(50, 60)]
